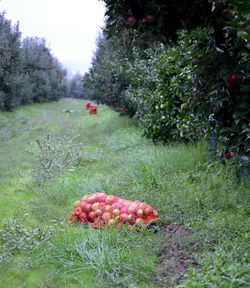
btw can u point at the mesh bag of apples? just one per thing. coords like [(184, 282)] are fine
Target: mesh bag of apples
[(100, 209)]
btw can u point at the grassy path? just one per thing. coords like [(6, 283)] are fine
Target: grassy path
[(54, 154)]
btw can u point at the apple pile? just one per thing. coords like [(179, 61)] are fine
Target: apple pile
[(91, 107), (87, 105), (100, 209)]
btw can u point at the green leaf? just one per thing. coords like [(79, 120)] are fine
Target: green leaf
[(243, 34)]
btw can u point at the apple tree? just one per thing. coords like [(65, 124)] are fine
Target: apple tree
[(107, 79), (28, 71), (10, 64), (220, 58)]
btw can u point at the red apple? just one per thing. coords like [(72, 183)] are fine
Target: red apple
[(102, 197), (143, 205), (77, 211), (123, 217), (77, 204), (107, 208), (84, 216), (111, 199), (139, 213), (98, 213), (229, 155), (111, 222), (117, 219), (131, 218), (106, 216), (95, 206), (155, 213), (116, 212), (91, 199), (102, 206), (116, 205), (233, 78), (133, 208), (228, 85), (131, 20), (87, 208), (150, 19), (149, 218), (91, 216), (124, 210), (126, 203), (148, 211), (83, 204)]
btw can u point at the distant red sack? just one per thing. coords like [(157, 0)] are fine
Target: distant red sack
[(87, 105), (92, 109), (100, 209)]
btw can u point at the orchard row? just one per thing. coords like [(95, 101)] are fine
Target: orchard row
[(29, 73)]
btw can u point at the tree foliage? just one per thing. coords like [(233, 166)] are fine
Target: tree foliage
[(75, 89), (185, 71), (163, 19)]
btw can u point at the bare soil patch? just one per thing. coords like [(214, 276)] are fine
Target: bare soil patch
[(175, 258)]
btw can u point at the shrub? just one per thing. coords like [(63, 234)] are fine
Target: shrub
[(56, 155)]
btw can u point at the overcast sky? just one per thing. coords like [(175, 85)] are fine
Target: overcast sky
[(70, 27)]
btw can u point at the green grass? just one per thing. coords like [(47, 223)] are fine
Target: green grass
[(179, 181), (106, 257)]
